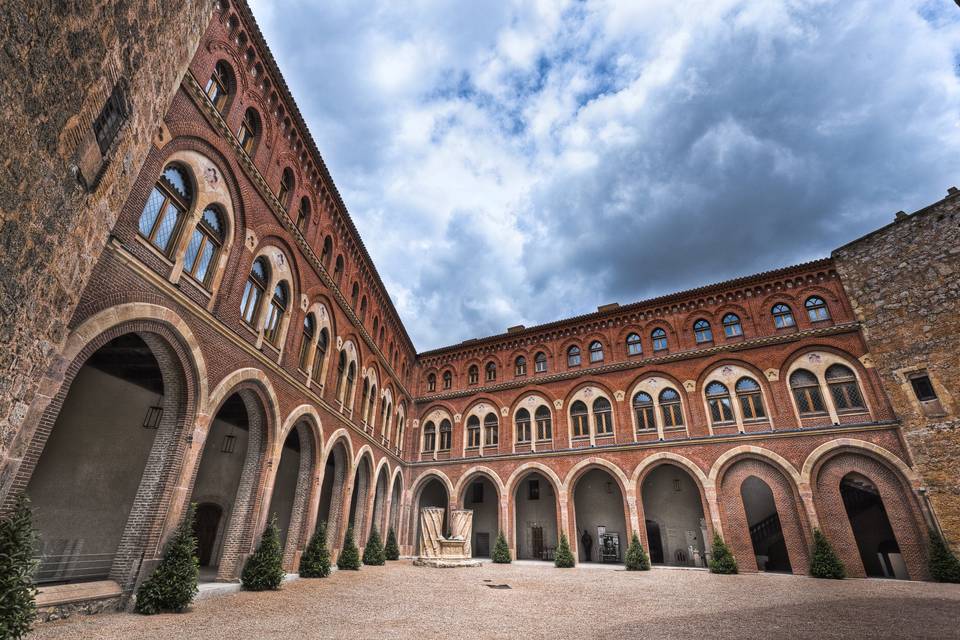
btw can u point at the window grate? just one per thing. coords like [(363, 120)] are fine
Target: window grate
[(114, 113)]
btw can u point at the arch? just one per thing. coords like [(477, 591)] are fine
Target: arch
[(582, 518), (594, 462), (536, 539), (309, 414), (778, 461), (671, 497), (668, 457), (487, 509), (415, 493), (467, 476), (911, 477)]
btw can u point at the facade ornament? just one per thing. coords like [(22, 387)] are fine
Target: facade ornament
[(772, 375), (619, 395), (416, 423), (814, 358), (304, 302), (866, 361), (652, 382), (457, 417), (210, 176), (558, 404), (504, 411), (322, 312), (339, 343), (690, 385), (588, 392), (531, 400), (727, 371), (251, 240)]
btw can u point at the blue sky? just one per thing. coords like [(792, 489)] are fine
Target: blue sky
[(520, 162)]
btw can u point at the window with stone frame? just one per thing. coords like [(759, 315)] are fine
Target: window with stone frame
[(844, 389), (204, 248), (306, 341), (659, 337), (491, 430), (522, 424), (303, 214), (573, 356), (446, 435), (750, 398), (165, 209), (544, 423), (579, 419), (320, 353), (491, 370), (670, 408), (249, 131), (253, 291), (220, 86), (540, 362), (278, 306), (603, 416), (429, 436), (596, 351), (718, 399), (643, 411), (473, 432), (806, 393)]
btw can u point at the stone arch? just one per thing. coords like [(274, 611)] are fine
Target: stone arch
[(817, 359), (627, 493), (512, 493)]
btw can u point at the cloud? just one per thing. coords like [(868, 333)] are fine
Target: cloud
[(517, 162)]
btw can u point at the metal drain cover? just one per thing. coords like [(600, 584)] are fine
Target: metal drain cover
[(498, 586)]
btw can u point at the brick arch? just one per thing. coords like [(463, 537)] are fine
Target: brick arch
[(416, 489), (627, 493), (336, 520), (470, 474), (511, 487), (704, 484)]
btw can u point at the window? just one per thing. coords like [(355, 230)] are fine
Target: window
[(218, 86), (659, 337), (573, 356), (170, 198), (445, 435), (204, 246), (431, 382), (844, 389), (634, 348), (364, 399), (473, 374), (491, 430), (540, 362), (806, 392), (603, 416), (522, 424), (718, 399), (544, 423), (670, 408), (817, 309), (327, 252), (309, 328), (114, 113), (351, 378), (286, 187), (278, 304), (923, 388), (751, 400), (323, 341), (249, 130), (376, 325), (429, 436), (447, 379), (533, 490), (731, 325), (338, 271), (363, 309), (782, 316), (491, 371), (473, 432), (253, 291), (596, 351), (702, 331), (303, 214), (520, 366), (341, 374), (643, 411), (354, 295), (578, 418)]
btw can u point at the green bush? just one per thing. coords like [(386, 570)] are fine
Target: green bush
[(563, 559), (315, 561), (944, 566), (501, 551), (18, 607), (373, 552), (636, 559), (391, 551), (263, 570), (349, 558), (824, 562), (722, 561), (173, 584)]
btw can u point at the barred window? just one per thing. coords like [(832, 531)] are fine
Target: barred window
[(603, 416), (670, 408), (164, 211), (522, 422), (751, 400), (806, 392), (718, 398), (844, 389), (579, 419), (643, 411)]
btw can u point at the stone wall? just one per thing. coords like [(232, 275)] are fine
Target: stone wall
[(902, 281)]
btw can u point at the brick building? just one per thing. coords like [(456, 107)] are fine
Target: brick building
[(235, 347)]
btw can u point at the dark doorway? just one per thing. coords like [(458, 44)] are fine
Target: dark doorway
[(205, 528), (655, 542), (766, 533), (876, 542)]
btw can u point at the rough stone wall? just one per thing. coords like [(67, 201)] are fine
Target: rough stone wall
[(902, 281), (53, 227)]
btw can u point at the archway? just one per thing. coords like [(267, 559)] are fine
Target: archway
[(480, 495), (600, 522), (396, 497), (380, 503), (675, 524), (206, 525), (535, 520), (871, 528), (358, 501), (766, 531), (285, 485), (330, 508), (432, 494)]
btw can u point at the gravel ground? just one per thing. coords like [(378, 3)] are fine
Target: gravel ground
[(403, 601)]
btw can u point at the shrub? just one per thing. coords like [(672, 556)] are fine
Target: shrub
[(315, 561), (722, 561), (373, 552), (563, 559), (501, 551), (637, 559), (391, 551), (263, 570), (824, 562), (18, 607), (173, 584), (349, 558), (944, 566)]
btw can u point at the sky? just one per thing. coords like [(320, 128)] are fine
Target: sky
[(513, 162)]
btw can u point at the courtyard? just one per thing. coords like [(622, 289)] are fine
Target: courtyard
[(403, 601)]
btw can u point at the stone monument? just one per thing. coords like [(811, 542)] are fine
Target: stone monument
[(438, 551)]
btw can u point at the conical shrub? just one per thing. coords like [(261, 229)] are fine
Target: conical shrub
[(563, 558), (18, 607), (722, 560), (349, 558), (944, 566), (174, 583), (501, 550), (824, 562), (391, 551), (373, 551), (637, 558), (315, 561), (263, 570)]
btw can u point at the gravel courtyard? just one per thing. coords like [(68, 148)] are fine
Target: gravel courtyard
[(403, 601)]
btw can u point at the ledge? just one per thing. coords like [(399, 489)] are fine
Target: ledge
[(60, 594)]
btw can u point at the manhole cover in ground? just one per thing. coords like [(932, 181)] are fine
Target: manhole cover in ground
[(499, 586)]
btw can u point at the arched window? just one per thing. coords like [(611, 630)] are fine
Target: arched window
[(278, 305), (844, 389), (309, 328), (634, 348), (520, 366), (540, 362), (447, 379), (659, 337), (351, 378), (323, 341), (731, 325), (327, 252), (522, 423), (363, 309), (285, 188), (473, 432), (603, 416), (204, 246), (220, 85), (782, 316), (432, 382), (596, 351), (670, 408), (341, 374), (491, 430), (473, 374), (579, 419), (702, 331), (355, 295), (169, 200), (817, 309), (364, 398), (249, 131), (429, 436), (254, 290), (573, 356), (446, 432), (751, 400), (338, 271), (544, 423), (718, 398), (806, 392), (376, 325), (643, 411), (491, 369), (303, 214), (371, 405)]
